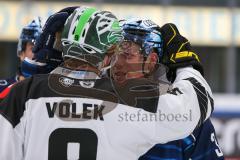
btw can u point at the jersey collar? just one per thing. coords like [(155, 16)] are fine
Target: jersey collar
[(75, 74)]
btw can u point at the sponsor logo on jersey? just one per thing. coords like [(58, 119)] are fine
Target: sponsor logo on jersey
[(67, 82), (87, 84), (3, 82)]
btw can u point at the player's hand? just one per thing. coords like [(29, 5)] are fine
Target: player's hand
[(47, 50), (177, 49)]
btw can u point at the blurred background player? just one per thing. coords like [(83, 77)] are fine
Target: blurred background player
[(37, 52), (27, 38)]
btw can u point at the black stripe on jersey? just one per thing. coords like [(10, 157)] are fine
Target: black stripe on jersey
[(211, 101), (102, 88), (13, 106), (202, 96)]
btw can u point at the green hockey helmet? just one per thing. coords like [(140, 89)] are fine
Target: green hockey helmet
[(88, 33)]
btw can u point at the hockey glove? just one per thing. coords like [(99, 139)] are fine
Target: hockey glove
[(177, 51), (30, 67), (45, 50)]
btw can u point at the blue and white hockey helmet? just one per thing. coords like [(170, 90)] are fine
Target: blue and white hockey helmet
[(29, 33), (145, 33)]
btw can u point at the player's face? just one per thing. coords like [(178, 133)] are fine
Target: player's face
[(27, 52), (127, 62)]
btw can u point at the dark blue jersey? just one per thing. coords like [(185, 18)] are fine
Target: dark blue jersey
[(201, 145)]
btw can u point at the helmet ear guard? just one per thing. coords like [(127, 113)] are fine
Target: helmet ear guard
[(76, 52)]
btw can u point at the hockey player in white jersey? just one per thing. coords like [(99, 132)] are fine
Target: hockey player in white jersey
[(74, 113)]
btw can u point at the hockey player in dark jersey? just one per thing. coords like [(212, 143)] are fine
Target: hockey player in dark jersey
[(26, 42), (74, 113), (202, 143)]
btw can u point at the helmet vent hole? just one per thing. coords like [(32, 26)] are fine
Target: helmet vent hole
[(84, 31), (65, 43), (136, 32), (105, 25), (74, 30), (88, 49)]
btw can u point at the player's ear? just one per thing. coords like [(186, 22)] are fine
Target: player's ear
[(151, 62), (21, 55)]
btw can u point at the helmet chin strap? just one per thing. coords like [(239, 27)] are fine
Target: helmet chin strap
[(104, 71), (143, 66), (146, 74)]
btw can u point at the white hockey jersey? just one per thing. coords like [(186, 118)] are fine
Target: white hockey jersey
[(59, 117)]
